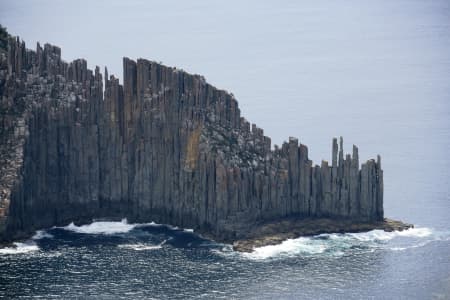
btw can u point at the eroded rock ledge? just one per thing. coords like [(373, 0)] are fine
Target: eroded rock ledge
[(165, 146), (273, 233)]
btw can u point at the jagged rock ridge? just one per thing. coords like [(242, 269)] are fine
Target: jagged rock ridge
[(165, 146)]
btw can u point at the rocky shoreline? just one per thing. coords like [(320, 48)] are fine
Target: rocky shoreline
[(274, 233)]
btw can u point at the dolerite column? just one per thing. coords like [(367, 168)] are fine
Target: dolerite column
[(316, 192), (343, 209), (293, 175), (354, 185), (111, 137), (16, 54), (143, 78), (129, 92), (38, 67), (334, 153), (372, 189), (336, 179), (380, 210), (305, 181), (326, 201), (131, 114), (365, 199)]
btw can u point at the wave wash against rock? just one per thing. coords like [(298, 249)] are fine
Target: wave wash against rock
[(165, 146)]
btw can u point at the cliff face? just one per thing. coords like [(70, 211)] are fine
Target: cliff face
[(165, 146)]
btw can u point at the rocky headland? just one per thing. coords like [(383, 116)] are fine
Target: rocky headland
[(164, 146)]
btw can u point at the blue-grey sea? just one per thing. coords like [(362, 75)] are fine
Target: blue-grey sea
[(375, 72)]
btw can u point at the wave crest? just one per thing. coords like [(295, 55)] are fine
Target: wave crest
[(290, 247), (41, 234), (337, 244), (102, 227), (20, 248), (141, 246)]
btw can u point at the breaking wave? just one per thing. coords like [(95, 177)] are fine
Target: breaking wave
[(41, 234), (19, 248), (290, 247), (380, 235), (334, 245), (27, 246), (141, 246), (102, 227), (115, 227), (338, 244)]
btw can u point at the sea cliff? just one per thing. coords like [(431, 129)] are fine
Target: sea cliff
[(164, 146)]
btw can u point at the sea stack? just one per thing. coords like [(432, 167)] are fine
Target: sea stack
[(164, 146)]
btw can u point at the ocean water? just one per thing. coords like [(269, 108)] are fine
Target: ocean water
[(377, 73), (109, 260)]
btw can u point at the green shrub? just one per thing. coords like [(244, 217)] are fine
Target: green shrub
[(3, 38)]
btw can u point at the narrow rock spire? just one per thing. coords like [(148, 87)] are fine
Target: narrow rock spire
[(106, 78), (335, 153)]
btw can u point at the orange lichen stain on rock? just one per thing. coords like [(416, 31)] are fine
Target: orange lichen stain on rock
[(192, 148), (284, 174)]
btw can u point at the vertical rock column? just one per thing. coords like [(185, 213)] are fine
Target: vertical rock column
[(305, 165), (294, 168)]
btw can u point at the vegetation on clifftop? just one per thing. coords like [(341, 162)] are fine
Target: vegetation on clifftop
[(3, 39)]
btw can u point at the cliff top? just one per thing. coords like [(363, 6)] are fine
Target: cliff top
[(4, 35)]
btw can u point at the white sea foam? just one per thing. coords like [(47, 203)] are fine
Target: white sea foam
[(398, 248), (19, 248), (152, 223), (415, 232), (336, 244), (27, 246), (380, 235), (114, 227), (141, 246), (41, 234), (290, 247), (102, 227)]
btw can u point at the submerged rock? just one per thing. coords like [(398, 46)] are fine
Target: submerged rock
[(165, 146)]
